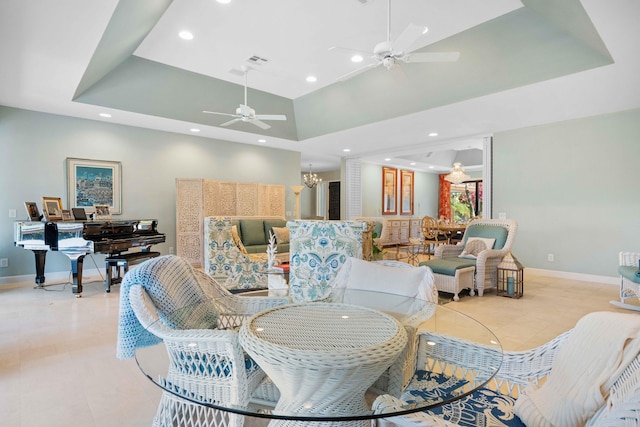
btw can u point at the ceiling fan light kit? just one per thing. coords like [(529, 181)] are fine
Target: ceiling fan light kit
[(389, 54), (246, 114)]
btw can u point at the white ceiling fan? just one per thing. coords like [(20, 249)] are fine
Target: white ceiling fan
[(246, 114), (389, 54)]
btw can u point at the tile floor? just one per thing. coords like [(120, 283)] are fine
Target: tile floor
[(58, 364)]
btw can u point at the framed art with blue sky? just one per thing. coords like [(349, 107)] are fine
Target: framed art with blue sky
[(94, 182)]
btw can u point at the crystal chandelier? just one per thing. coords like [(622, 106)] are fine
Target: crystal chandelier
[(311, 179), (457, 175)]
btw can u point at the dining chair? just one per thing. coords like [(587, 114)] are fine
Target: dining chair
[(432, 236), (391, 278), (586, 376), (629, 271), (151, 295)]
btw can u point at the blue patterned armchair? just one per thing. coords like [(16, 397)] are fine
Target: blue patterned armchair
[(318, 250), (224, 261)]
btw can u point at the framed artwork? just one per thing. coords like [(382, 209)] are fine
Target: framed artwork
[(66, 215), (94, 182), (79, 214), (33, 211), (406, 192), (389, 191), (101, 212), (52, 207)]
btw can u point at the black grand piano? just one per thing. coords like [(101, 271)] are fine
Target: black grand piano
[(76, 239)]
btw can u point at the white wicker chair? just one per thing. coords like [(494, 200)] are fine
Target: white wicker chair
[(399, 375), (486, 275), (518, 371), (628, 288), (226, 374)]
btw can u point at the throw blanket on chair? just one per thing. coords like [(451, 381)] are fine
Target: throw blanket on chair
[(600, 347), (171, 283)]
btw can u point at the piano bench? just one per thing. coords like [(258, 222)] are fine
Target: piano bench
[(117, 263)]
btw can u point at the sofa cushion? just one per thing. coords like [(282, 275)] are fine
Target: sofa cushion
[(482, 408), (270, 223), (282, 234), (448, 266), (252, 232), (630, 273), (489, 232)]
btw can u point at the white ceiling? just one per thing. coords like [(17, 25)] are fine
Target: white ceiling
[(47, 46)]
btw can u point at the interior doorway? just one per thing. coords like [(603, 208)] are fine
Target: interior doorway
[(334, 200)]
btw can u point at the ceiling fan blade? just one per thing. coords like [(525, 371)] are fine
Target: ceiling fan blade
[(219, 114), (432, 57), (271, 117), (410, 34), (230, 122), (259, 123), (356, 72)]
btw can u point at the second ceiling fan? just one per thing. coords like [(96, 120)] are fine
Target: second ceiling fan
[(389, 53), (246, 114)]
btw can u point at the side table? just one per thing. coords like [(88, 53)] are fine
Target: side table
[(323, 356)]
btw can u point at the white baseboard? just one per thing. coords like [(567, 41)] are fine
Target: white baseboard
[(573, 276), (89, 275)]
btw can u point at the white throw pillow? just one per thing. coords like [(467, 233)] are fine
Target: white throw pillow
[(282, 234), (475, 245), (371, 276)]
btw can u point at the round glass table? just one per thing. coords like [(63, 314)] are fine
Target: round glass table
[(300, 362)]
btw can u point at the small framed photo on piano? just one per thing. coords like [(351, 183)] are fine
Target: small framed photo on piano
[(33, 211), (101, 212), (67, 215), (52, 207)]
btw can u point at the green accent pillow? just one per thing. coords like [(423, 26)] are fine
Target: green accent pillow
[(487, 232), (252, 231)]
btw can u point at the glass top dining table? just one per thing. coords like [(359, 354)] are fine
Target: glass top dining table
[(326, 359)]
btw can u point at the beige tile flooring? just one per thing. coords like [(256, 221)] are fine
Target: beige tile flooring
[(58, 364)]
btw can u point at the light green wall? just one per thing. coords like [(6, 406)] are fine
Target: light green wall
[(573, 189), (425, 196), (32, 165)]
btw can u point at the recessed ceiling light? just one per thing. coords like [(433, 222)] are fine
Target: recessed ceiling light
[(431, 167), (186, 35), (107, 115), (433, 134), (357, 58), (425, 30), (224, 1), (388, 159), (194, 130), (346, 150), (262, 140), (312, 79), (412, 163)]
